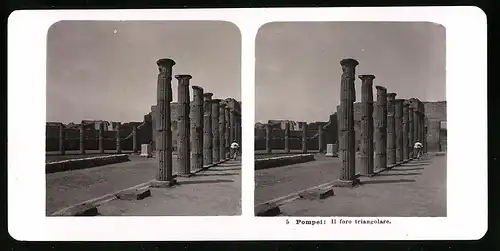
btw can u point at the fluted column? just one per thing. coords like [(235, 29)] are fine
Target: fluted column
[(391, 129), (118, 138), (287, 137), (424, 122), (62, 140), (304, 137), (398, 118), (381, 128), (82, 139), (268, 138), (406, 143), (411, 140), (163, 125), (183, 125), (347, 150), (414, 109), (222, 130), (134, 139), (367, 124), (207, 129), (321, 147), (232, 124), (197, 123), (227, 129), (215, 130), (101, 137)]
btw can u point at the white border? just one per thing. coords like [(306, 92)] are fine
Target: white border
[(467, 166)]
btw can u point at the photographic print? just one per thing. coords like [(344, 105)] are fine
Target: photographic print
[(143, 118), (350, 119)]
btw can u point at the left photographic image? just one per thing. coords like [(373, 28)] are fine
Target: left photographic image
[(143, 118)]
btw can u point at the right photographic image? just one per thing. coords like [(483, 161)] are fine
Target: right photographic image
[(350, 119)]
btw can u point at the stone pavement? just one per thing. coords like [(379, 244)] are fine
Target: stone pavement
[(67, 188), (415, 189), (75, 154), (279, 181), (213, 192)]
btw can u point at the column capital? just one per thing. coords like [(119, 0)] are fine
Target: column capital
[(195, 87), (207, 95), (183, 77), (380, 88), (349, 62), (165, 63), (391, 96), (366, 77)]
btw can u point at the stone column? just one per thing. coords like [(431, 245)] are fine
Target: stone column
[(183, 125), (347, 150), (424, 124), (268, 138), (367, 124), (163, 125), (321, 147), (62, 140), (82, 139), (411, 140), (197, 122), (154, 118), (134, 139), (101, 137), (222, 131), (238, 128), (414, 109), (406, 143), (118, 139), (287, 137), (232, 124), (398, 122), (304, 137), (215, 130), (339, 115), (227, 130), (381, 129), (207, 129), (391, 129)]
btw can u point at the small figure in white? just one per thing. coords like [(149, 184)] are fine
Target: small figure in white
[(235, 148), (418, 149)]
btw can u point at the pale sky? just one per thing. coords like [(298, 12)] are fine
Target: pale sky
[(298, 64), (106, 70)]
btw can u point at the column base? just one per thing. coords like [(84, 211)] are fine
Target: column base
[(346, 183), (366, 174), (163, 184), (183, 175)]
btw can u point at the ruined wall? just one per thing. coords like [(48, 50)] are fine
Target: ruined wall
[(435, 112), (144, 134)]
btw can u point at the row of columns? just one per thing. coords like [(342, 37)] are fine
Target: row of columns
[(205, 128), (386, 138), (304, 127), (62, 139)]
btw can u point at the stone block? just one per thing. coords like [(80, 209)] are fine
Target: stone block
[(317, 194), (134, 194), (146, 150), (346, 183), (163, 184), (267, 209)]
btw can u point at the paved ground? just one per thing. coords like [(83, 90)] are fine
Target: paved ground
[(414, 189), (213, 192), (260, 154), (279, 181), (71, 187), (55, 156)]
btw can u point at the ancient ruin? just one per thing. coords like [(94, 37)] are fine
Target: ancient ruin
[(367, 124), (381, 129)]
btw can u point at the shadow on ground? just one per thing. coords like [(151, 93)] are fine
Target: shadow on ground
[(185, 182), (398, 174), (385, 181)]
